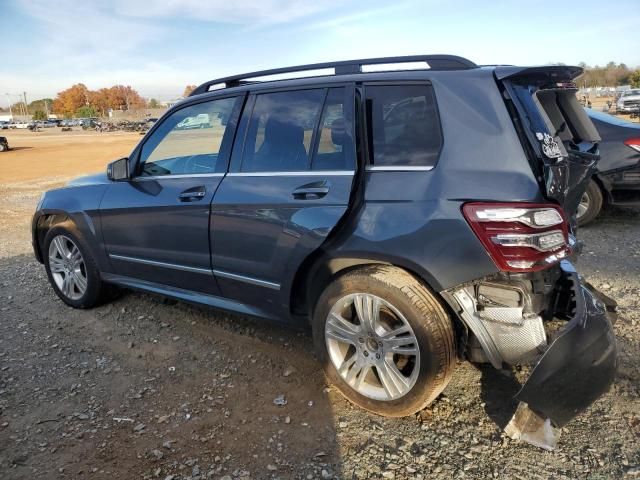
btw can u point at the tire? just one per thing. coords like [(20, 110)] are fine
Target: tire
[(590, 204), (403, 300), (2, 147), (94, 290)]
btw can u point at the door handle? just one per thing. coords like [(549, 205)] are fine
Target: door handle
[(311, 191), (193, 194)]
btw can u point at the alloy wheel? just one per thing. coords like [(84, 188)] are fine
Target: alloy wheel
[(583, 206), (372, 346), (67, 267)]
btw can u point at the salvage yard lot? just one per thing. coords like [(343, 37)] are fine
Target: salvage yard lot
[(148, 388)]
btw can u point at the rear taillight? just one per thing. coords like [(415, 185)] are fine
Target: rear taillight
[(520, 237), (633, 143)]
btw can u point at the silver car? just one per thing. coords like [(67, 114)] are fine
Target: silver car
[(629, 101)]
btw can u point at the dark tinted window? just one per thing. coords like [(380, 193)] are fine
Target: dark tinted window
[(403, 125), (335, 146), (280, 131), (188, 141)]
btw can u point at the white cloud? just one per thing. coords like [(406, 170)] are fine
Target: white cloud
[(86, 31), (101, 43), (242, 12)]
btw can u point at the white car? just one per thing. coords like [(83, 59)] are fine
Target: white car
[(23, 125), (629, 101), (199, 121)]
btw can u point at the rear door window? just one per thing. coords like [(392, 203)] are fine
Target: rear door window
[(403, 127), (336, 150), (280, 131)]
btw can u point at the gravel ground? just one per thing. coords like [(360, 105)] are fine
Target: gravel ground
[(149, 388)]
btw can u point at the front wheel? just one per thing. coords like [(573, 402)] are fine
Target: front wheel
[(384, 340), (72, 272)]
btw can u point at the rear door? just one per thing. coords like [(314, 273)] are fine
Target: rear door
[(561, 140), (289, 184)]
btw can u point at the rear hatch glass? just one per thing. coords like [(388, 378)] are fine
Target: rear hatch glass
[(560, 139)]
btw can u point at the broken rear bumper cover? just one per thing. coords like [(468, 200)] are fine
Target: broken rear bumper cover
[(571, 367), (579, 365)]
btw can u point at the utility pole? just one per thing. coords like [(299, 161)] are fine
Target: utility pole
[(9, 102), (25, 103)]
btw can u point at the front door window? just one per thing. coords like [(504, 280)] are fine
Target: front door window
[(189, 141)]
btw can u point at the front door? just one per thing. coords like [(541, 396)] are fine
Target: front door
[(156, 225), (289, 184)]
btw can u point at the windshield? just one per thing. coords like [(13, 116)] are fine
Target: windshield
[(631, 92)]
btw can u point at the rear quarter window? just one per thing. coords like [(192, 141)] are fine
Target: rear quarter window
[(403, 128)]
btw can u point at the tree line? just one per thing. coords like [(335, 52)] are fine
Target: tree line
[(79, 101), (611, 75)]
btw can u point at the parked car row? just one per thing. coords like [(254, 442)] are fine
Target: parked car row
[(29, 125), (89, 124)]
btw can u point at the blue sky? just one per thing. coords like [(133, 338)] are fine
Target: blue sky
[(159, 46)]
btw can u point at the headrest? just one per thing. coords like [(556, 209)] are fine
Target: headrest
[(278, 131), (338, 132)]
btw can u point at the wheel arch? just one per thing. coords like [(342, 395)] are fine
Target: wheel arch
[(42, 223), (79, 225), (318, 270), (605, 188)]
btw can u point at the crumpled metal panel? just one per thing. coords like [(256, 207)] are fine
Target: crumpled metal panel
[(505, 333), (518, 340)]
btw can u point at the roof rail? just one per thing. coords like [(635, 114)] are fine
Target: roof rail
[(434, 62)]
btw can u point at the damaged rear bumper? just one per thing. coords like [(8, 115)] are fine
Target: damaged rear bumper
[(572, 367), (579, 365)]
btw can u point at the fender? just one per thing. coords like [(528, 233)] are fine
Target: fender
[(78, 212)]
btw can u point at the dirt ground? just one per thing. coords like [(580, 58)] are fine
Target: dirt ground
[(149, 388)]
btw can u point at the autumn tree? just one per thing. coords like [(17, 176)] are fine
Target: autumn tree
[(634, 78), (99, 99), (188, 89), (125, 98), (118, 97), (71, 99)]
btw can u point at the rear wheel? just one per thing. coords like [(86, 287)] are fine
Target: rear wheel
[(2, 147), (384, 340), (590, 204)]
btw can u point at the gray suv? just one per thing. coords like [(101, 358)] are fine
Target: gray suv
[(413, 217)]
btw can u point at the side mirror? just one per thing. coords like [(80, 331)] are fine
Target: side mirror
[(118, 170)]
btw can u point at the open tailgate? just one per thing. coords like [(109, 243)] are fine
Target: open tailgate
[(560, 139)]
